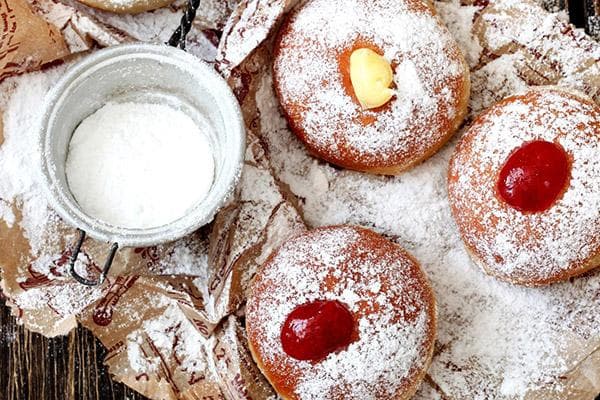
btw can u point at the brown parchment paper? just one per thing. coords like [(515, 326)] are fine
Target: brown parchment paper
[(171, 316), (17, 52), (145, 284), (39, 33), (222, 258)]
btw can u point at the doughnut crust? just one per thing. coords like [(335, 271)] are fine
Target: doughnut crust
[(130, 7), (311, 78), (385, 290), (530, 248)]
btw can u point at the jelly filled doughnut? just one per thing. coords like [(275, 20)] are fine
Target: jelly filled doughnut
[(370, 85), (341, 313), (524, 187)]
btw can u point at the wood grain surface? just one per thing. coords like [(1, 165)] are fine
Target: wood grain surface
[(33, 367)]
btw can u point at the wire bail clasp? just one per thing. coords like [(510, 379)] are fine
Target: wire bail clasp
[(105, 269), (177, 39)]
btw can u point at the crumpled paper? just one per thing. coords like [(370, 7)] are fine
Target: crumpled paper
[(171, 316), (189, 291), (39, 33)]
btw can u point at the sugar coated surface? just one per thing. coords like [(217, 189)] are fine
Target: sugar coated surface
[(428, 77), (138, 165), (530, 247), (383, 288), (495, 340)]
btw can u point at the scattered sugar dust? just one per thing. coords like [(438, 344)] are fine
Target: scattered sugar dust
[(493, 338)]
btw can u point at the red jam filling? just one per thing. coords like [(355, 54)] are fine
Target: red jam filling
[(314, 330), (534, 176)]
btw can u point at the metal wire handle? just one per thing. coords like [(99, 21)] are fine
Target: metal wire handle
[(75, 255), (178, 37)]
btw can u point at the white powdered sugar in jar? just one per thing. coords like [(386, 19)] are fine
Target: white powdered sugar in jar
[(138, 166)]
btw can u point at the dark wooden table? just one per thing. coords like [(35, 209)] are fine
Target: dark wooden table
[(33, 367)]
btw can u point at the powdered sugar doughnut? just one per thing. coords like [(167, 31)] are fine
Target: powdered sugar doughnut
[(311, 76), (386, 296), (126, 6), (540, 228)]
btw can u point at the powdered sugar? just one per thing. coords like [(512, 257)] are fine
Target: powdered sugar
[(247, 27), (139, 165), (67, 300), (188, 257), (428, 80), (45, 293), (169, 336), (494, 81), (549, 50), (530, 247), (375, 359), (495, 340), (460, 22), (19, 158), (382, 288)]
